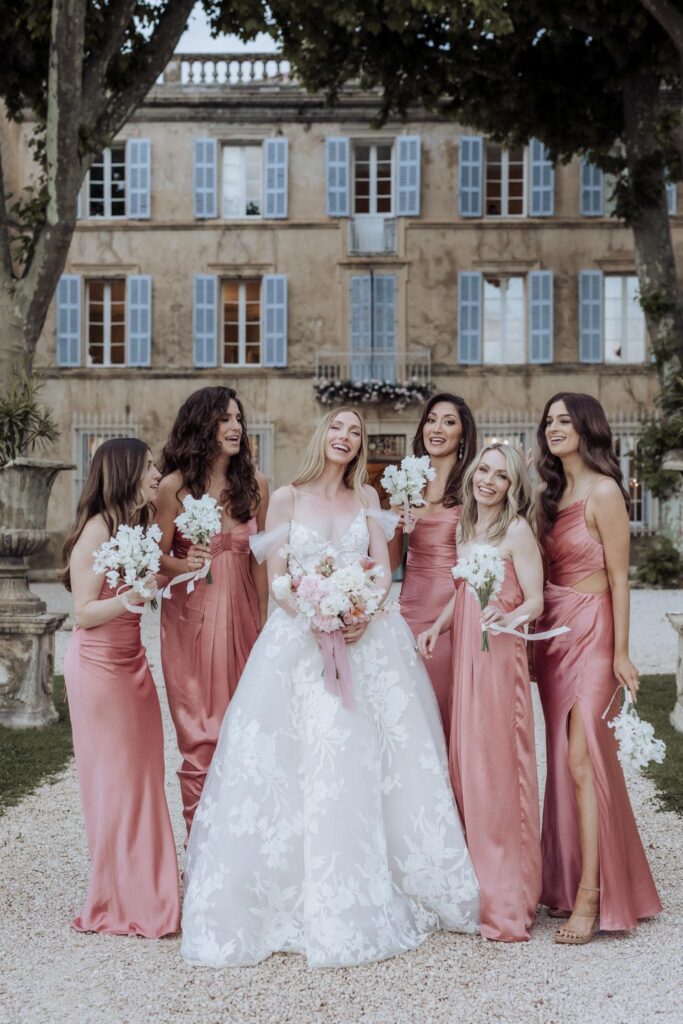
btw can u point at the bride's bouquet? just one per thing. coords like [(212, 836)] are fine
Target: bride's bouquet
[(484, 570), (199, 522), (636, 738), (329, 598), (405, 483), (127, 559)]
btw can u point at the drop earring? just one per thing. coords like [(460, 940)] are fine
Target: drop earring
[(461, 450)]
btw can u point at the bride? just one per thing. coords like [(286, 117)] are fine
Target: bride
[(325, 829)]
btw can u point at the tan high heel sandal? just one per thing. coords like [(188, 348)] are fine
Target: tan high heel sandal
[(567, 937)]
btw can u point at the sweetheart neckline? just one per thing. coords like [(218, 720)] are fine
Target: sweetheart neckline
[(297, 522)]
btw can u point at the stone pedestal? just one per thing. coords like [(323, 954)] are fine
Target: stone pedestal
[(27, 666), (676, 716)]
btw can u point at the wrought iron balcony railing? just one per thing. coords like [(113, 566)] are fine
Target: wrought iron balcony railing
[(380, 364)]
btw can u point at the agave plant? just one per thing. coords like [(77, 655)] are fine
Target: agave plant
[(25, 424)]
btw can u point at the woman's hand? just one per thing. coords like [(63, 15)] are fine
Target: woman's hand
[(352, 634), (627, 674), (426, 642), (492, 616), (151, 589), (196, 557), (403, 524)]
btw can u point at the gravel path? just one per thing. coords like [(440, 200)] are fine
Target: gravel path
[(51, 974)]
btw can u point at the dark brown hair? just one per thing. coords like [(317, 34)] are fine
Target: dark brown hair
[(113, 491), (595, 448), (451, 494), (192, 447)]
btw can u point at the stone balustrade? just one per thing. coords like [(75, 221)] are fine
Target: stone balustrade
[(231, 69)]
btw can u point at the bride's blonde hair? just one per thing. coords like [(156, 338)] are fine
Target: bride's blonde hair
[(355, 474), (517, 500)]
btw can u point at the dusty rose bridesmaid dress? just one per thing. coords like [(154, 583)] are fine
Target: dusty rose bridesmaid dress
[(427, 587), (206, 638), (576, 668), (119, 747), (492, 762)]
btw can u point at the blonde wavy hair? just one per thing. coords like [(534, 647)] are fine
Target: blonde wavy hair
[(355, 474), (517, 500)]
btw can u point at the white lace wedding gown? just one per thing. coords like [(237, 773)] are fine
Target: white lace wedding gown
[(321, 830)]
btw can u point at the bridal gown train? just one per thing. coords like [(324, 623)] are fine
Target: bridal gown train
[(325, 831)]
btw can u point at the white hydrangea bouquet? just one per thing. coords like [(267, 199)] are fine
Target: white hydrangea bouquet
[(127, 559), (638, 744), (484, 570), (199, 521), (405, 483)]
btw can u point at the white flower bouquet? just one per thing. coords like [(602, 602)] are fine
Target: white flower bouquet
[(484, 570), (405, 483), (199, 522), (330, 597), (128, 558), (638, 744)]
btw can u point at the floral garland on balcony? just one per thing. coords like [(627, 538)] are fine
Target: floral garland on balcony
[(378, 392)]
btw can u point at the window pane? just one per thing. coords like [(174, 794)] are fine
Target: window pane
[(493, 179), (118, 290), (253, 354), (95, 291), (493, 312), (504, 327), (233, 182), (253, 291), (230, 355)]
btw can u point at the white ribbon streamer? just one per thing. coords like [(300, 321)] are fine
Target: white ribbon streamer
[(190, 577), (137, 609), (511, 631)]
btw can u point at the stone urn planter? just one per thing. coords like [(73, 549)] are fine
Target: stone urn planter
[(27, 631)]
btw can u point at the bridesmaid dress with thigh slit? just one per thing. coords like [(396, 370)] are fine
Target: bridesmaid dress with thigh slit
[(427, 587), (119, 747), (575, 670), (492, 760), (206, 638)]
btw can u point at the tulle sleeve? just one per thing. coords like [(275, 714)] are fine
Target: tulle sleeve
[(387, 520), (262, 544)]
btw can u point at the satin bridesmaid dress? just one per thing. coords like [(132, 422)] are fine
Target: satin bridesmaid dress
[(119, 748), (427, 587), (576, 669), (206, 638), (492, 762)]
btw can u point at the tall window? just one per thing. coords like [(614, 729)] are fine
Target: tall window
[(106, 322), (88, 434), (242, 323), (372, 177), (242, 181), (504, 181), (107, 184), (504, 320), (624, 320), (642, 514)]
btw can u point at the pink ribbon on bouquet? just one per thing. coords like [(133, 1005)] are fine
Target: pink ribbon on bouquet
[(336, 668)]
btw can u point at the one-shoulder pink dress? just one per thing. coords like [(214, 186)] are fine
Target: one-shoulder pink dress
[(576, 669), (492, 760), (119, 748), (206, 638), (427, 587)]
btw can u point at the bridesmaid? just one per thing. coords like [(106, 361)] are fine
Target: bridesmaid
[(447, 433), (492, 755), (594, 865), (115, 714), (206, 636)]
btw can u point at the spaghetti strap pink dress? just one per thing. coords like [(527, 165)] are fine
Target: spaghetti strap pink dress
[(576, 669), (427, 587), (119, 748), (206, 638), (492, 760)]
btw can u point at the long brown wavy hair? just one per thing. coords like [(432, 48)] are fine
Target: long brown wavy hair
[(192, 448), (112, 490), (452, 494), (596, 448)]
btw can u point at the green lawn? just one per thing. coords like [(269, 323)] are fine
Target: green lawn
[(656, 698), (30, 756)]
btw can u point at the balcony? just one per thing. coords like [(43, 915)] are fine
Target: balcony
[(232, 69), (380, 364), (372, 235)]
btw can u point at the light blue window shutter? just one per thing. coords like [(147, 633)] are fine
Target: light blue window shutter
[(138, 178), (337, 176), (360, 326), (542, 181), (671, 198), (469, 317), (275, 158), (384, 327), (471, 174), (274, 303), (139, 319), (541, 316), (205, 322), (590, 316), (408, 204), (592, 190), (205, 178), (69, 320)]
